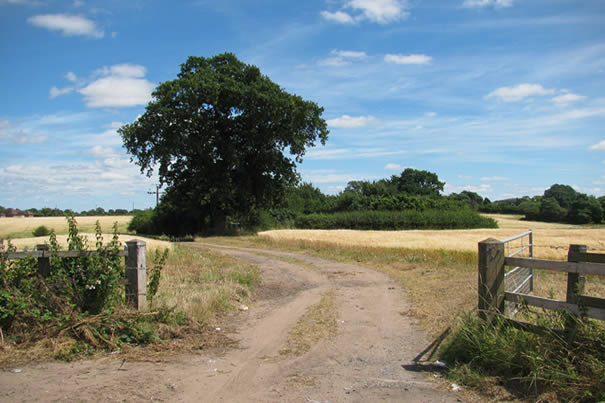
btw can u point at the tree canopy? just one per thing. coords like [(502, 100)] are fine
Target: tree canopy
[(417, 182), (225, 140)]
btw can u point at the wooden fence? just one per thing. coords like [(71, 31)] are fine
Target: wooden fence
[(492, 293), (135, 275)]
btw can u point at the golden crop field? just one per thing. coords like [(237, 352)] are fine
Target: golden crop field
[(21, 227), (551, 240), (19, 230)]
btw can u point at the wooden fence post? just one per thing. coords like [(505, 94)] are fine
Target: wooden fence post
[(136, 274), (575, 285), (43, 262), (491, 278), (575, 281)]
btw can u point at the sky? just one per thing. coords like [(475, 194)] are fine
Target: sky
[(500, 97)]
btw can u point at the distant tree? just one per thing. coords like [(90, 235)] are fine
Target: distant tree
[(531, 209), (563, 194), (418, 182), (551, 211), (601, 200), (472, 199), (225, 140), (585, 209)]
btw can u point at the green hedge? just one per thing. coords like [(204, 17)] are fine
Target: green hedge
[(396, 220)]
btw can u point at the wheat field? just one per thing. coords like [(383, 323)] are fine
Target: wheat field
[(21, 227), (551, 241), (19, 230)]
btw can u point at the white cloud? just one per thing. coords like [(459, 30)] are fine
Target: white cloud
[(71, 76), (69, 25), (494, 178), (487, 3), (381, 11), (19, 134), (392, 167), (350, 122), (339, 17), (599, 146), (567, 98), (343, 57), (378, 11), (350, 54), (521, 91), (122, 85), (128, 70), (351, 153), (408, 59), (55, 92), (102, 151)]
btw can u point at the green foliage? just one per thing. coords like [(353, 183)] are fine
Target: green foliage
[(574, 370), (418, 182), (75, 285), (159, 260), (563, 194), (396, 220), (225, 139), (143, 222), (41, 231)]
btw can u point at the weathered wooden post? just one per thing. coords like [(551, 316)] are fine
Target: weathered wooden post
[(43, 261), (136, 274), (575, 285), (491, 278), (575, 281)]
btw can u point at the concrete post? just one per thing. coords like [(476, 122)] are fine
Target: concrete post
[(136, 274)]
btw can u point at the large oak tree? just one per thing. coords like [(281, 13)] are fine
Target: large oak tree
[(225, 140)]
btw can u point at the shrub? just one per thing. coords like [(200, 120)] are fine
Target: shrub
[(143, 222), (397, 220), (41, 231)]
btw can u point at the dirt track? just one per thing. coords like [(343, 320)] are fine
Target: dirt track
[(369, 359)]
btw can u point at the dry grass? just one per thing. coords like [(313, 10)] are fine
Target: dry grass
[(551, 240), (202, 283), (21, 227), (318, 322), (439, 268)]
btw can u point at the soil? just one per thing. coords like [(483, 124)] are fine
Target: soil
[(370, 358)]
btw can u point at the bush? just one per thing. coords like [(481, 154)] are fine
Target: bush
[(396, 220), (143, 222), (41, 231)]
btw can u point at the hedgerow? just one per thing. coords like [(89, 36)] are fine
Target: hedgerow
[(396, 220)]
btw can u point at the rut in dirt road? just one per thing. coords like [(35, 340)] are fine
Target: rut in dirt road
[(362, 360)]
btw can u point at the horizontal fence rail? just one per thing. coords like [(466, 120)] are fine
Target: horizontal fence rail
[(135, 273), (493, 295)]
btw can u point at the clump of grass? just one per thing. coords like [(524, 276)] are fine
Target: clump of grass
[(203, 283), (534, 364), (317, 323)]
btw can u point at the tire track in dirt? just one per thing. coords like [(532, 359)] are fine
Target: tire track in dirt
[(363, 362)]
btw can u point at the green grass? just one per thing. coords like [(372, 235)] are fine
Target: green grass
[(534, 366)]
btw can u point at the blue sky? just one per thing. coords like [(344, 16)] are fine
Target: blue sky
[(500, 97)]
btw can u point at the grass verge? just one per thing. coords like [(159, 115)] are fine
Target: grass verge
[(545, 367), (317, 323)]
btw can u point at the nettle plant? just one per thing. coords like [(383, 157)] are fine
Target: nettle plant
[(90, 283), (76, 286)]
